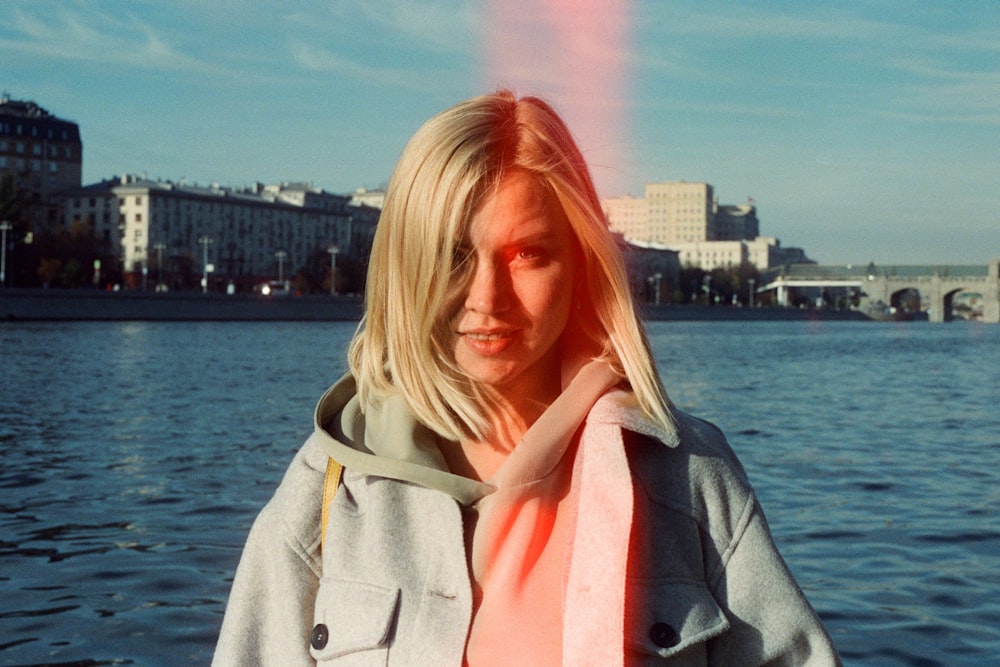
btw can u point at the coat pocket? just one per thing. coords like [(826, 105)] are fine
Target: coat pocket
[(352, 622), (669, 616)]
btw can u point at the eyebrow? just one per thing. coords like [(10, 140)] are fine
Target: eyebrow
[(532, 238)]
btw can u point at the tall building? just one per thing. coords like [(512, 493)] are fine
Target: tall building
[(43, 154), (244, 235), (627, 216), (686, 217), (679, 212)]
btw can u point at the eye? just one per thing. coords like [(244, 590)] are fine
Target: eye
[(531, 253)]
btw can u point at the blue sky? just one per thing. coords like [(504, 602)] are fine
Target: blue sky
[(863, 130)]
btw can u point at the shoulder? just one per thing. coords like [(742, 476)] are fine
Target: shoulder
[(700, 475), (293, 512), (689, 467)]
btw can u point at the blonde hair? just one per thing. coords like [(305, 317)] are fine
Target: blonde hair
[(446, 170)]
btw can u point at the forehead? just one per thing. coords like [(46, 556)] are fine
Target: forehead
[(520, 205)]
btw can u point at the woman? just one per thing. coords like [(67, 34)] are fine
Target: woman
[(516, 487)]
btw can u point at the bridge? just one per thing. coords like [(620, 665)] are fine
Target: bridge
[(878, 289)]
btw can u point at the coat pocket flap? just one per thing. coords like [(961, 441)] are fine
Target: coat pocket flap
[(351, 616), (668, 616)]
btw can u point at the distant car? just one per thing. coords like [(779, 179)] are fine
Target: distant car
[(274, 288)]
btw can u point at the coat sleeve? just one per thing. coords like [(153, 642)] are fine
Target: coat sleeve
[(772, 623), (269, 616)]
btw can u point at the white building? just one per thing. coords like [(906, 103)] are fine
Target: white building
[(627, 216), (763, 252), (365, 197), (687, 218), (679, 212), (246, 235)]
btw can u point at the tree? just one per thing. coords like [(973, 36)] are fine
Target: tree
[(723, 286), (67, 258), (11, 198)]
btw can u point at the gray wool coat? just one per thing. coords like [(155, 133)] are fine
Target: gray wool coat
[(706, 585)]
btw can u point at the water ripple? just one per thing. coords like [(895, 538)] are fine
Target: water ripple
[(873, 448)]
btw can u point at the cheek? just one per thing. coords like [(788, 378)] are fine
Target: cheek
[(550, 300)]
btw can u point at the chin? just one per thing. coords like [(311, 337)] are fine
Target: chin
[(492, 377)]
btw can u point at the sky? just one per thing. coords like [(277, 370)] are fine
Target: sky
[(863, 131)]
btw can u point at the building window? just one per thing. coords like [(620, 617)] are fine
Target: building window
[(138, 201), (36, 149), (53, 168), (138, 217), (19, 147)]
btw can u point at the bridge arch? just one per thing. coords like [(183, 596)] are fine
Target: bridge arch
[(906, 300), (948, 299)]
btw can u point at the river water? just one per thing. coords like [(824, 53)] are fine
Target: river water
[(135, 455)]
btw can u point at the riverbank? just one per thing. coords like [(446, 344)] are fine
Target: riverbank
[(94, 305), (695, 313)]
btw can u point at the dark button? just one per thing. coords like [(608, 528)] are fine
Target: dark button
[(321, 636), (663, 635)]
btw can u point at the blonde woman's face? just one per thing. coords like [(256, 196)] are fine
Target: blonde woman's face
[(518, 290)]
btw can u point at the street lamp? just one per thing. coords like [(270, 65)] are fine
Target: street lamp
[(282, 256), (654, 281), (333, 250), (160, 247), (205, 241), (751, 282), (4, 228)]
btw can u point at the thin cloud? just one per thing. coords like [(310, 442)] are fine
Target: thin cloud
[(444, 26), (95, 37), (759, 24), (318, 59), (434, 27)]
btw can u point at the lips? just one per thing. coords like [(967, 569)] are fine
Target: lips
[(488, 342)]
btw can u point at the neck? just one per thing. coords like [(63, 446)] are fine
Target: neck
[(480, 458)]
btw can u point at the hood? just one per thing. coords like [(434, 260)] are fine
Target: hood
[(385, 439)]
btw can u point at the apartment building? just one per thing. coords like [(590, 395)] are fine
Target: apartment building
[(679, 212), (763, 252), (628, 216), (239, 235), (43, 154), (687, 218)]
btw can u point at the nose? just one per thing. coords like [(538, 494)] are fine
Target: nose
[(489, 289)]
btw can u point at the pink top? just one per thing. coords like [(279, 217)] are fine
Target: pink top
[(542, 545)]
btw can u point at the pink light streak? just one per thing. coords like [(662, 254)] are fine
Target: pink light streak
[(572, 53)]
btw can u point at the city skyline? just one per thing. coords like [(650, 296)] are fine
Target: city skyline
[(867, 132)]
